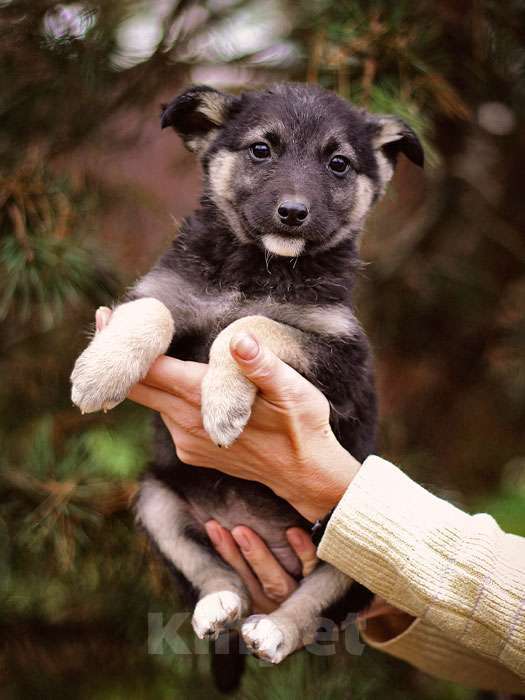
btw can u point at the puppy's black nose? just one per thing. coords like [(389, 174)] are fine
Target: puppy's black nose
[(292, 213)]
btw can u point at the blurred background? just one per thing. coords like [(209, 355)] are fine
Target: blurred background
[(91, 192)]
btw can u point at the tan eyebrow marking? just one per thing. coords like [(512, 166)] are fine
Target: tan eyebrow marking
[(337, 143), (264, 132)]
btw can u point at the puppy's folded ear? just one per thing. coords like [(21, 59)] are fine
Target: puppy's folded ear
[(197, 114), (393, 136)]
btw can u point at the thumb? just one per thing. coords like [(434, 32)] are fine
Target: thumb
[(277, 381)]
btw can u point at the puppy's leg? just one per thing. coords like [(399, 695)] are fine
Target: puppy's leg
[(294, 623), (227, 396), (223, 598), (121, 354)]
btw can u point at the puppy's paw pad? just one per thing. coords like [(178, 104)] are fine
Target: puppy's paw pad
[(265, 639), (215, 612), (226, 406)]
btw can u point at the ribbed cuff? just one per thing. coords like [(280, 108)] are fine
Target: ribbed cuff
[(426, 648)]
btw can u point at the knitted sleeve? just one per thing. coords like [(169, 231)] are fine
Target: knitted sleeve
[(459, 574)]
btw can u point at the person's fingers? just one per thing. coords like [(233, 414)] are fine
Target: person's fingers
[(301, 543), (230, 552), (227, 548), (158, 400), (179, 377), (192, 444), (183, 420), (278, 381), (102, 316), (275, 581)]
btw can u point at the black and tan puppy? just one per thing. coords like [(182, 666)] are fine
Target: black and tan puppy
[(290, 174)]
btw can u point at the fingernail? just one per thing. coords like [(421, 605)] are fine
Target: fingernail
[(102, 315), (245, 346), (214, 533), (242, 540)]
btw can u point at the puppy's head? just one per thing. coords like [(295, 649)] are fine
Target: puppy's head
[(295, 168)]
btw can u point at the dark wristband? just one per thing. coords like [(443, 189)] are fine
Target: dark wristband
[(319, 527)]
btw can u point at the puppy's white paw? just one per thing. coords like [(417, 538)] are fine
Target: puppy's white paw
[(215, 612), (103, 376), (227, 399), (121, 354), (267, 640)]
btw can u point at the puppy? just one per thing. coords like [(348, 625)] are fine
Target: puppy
[(290, 174)]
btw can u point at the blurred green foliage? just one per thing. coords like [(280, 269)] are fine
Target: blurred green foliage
[(46, 256), (443, 299)]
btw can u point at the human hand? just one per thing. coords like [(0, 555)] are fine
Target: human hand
[(269, 584), (266, 580), (306, 465)]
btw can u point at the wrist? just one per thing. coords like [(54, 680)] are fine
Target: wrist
[(324, 480), (338, 471)]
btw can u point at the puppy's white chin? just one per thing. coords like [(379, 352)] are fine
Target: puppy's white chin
[(279, 245)]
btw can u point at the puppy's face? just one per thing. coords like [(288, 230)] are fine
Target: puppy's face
[(294, 169)]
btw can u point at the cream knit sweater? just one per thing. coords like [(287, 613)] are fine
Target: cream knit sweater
[(459, 575)]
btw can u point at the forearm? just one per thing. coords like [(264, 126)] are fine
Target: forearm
[(459, 573)]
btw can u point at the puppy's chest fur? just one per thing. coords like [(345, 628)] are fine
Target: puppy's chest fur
[(203, 311), (211, 314)]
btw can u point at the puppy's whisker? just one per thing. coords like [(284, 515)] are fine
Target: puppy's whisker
[(267, 257)]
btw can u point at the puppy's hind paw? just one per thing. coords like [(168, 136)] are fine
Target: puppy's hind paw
[(267, 640), (227, 400), (215, 612)]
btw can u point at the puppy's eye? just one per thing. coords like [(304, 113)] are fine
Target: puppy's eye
[(339, 165), (260, 151)]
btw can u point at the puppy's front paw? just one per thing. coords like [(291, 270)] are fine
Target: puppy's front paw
[(215, 612), (103, 376), (121, 354), (268, 640), (227, 399)]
